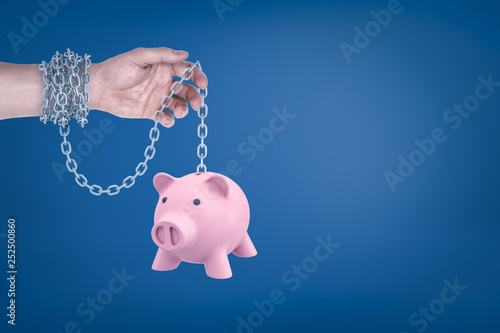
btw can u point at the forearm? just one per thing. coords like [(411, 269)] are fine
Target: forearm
[(21, 89)]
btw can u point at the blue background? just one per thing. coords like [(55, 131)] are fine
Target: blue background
[(322, 175)]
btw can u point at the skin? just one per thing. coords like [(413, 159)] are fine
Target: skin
[(130, 85)]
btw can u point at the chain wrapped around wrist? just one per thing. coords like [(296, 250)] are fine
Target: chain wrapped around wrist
[(66, 94)]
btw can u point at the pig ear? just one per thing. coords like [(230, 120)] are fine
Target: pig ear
[(162, 180), (217, 185)]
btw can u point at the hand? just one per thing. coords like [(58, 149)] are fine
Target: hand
[(133, 84)]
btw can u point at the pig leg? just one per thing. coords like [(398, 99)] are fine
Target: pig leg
[(164, 261), (245, 249), (217, 266)]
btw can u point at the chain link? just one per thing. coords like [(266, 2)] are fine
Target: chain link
[(154, 133)]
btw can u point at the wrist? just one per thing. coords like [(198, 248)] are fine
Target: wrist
[(94, 88)]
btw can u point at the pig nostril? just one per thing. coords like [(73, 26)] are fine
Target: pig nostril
[(174, 236), (160, 235)]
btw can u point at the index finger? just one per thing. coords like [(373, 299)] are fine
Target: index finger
[(199, 78), (150, 56)]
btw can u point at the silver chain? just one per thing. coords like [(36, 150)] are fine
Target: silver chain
[(149, 153), (154, 133), (63, 100), (202, 149)]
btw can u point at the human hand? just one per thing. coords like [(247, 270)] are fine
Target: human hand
[(132, 84)]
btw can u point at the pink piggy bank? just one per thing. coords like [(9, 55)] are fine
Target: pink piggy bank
[(200, 218)]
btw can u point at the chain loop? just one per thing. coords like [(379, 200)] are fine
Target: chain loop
[(66, 147), (203, 114), (188, 70), (154, 137), (81, 183), (150, 152), (141, 168), (95, 190), (173, 87), (202, 150), (113, 190), (71, 165), (128, 182), (202, 135), (166, 106)]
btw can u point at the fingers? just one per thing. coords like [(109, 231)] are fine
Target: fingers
[(191, 94), (180, 109), (149, 56), (167, 119), (199, 78)]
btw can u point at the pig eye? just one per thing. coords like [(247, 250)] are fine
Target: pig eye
[(164, 199), (196, 202)]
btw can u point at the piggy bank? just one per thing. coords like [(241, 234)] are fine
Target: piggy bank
[(200, 218)]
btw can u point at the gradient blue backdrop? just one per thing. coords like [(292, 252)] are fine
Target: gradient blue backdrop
[(322, 175)]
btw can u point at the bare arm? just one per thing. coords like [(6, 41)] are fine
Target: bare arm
[(21, 88), (130, 85)]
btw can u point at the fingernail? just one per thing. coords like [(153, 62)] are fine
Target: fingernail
[(179, 52), (184, 112), (168, 121)]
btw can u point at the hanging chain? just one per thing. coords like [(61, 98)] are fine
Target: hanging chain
[(128, 182), (59, 91), (202, 149)]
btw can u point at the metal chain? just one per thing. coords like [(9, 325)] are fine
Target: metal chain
[(202, 149), (154, 135), (129, 181), (61, 94)]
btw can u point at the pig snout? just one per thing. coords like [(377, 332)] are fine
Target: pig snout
[(171, 236)]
